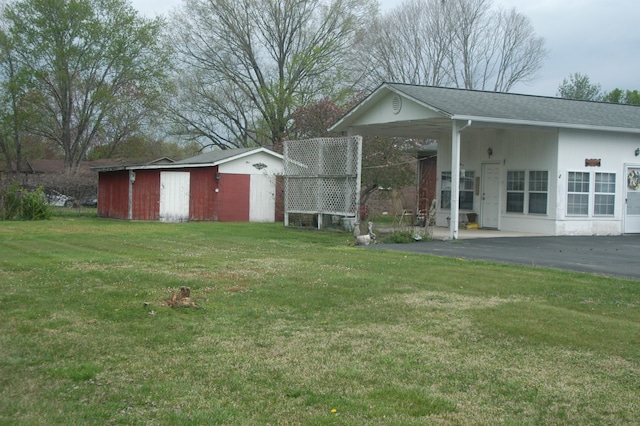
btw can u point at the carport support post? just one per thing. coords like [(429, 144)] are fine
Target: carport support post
[(456, 129), (455, 180)]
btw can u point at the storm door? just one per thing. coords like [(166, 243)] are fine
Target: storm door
[(632, 199)]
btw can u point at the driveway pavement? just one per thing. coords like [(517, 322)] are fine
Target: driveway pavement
[(616, 256)]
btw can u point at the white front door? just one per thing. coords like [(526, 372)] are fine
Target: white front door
[(490, 200), (632, 198), (174, 196)]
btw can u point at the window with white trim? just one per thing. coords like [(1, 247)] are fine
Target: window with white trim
[(578, 193), (465, 193), (605, 198), (515, 191), (538, 191)]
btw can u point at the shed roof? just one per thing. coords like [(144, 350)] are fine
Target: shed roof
[(500, 109), (207, 159), (223, 156)]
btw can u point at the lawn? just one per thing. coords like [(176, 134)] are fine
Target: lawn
[(288, 327)]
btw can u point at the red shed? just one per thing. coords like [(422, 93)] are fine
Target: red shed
[(237, 185)]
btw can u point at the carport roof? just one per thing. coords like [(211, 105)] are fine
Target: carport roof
[(501, 109)]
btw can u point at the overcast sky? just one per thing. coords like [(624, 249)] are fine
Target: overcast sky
[(599, 38)]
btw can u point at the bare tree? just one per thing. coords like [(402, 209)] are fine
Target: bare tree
[(458, 43), (408, 45), (520, 53), (246, 65)]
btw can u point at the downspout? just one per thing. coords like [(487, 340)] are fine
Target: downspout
[(455, 177)]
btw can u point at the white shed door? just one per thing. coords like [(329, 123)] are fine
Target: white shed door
[(174, 196), (632, 208), (262, 199)]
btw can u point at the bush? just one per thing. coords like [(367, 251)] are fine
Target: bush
[(22, 204)]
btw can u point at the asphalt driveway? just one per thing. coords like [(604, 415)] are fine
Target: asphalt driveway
[(616, 256)]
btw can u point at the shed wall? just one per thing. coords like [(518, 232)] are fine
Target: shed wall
[(146, 195), (258, 163), (113, 194), (202, 204)]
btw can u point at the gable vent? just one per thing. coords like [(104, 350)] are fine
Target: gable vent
[(396, 104)]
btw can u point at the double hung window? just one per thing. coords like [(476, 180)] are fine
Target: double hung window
[(605, 194), (527, 191), (580, 193), (467, 187)]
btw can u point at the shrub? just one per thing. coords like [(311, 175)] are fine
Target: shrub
[(398, 237), (10, 201), (22, 204)]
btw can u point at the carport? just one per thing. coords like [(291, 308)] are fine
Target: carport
[(516, 158), (387, 112)]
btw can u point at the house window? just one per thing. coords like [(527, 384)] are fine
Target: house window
[(578, 194), (538, 191), (445, 192), (465, 194), (467, 185), (605, 198), (515, 191)]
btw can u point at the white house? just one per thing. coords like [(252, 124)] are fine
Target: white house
[(520, 163)]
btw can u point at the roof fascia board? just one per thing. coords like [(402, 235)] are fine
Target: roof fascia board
[(549, 124), (248, 153), (152, 167)]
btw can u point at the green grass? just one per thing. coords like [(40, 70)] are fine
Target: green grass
[(291, 324)]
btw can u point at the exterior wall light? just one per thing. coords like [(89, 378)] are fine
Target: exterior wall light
[(637, 151), (490, 152)]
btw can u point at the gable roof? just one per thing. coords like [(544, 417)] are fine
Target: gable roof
[(503, 109), (208, 159), (222, 156)]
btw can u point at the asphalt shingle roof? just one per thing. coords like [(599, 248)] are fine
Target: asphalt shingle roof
[(509, 106), (214, 156)]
